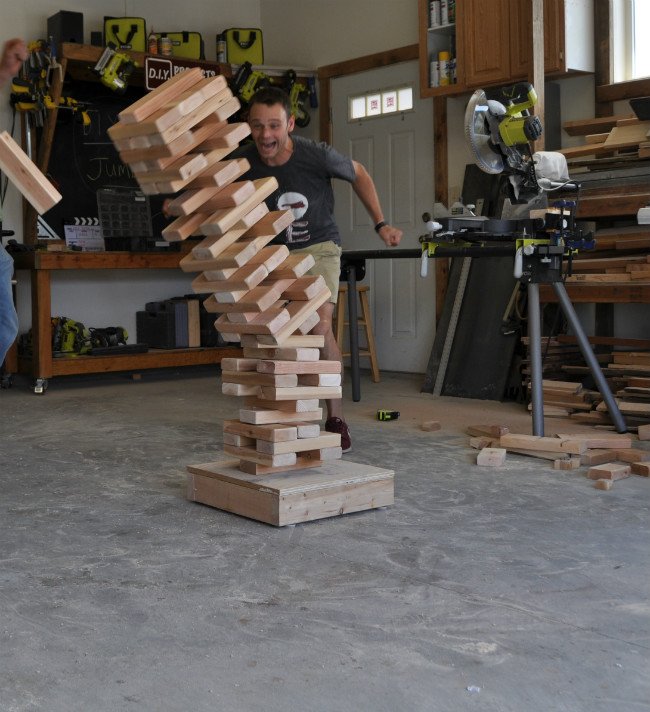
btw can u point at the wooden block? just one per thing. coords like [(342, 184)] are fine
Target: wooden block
[(25, 176), (298, 341), (222, 105), (479, 442), (283, 380), (633, 455), (324, 454), (535, 442), (603, 484), (158, 97), (308, 430), (613, 441), (541, 454), (430, 425), (256, 415), (238, 440), (229, 135), (288, 406), (274, 432), (283, 354), (220, 174), (239, 389), (300, 393), (271, 224), (491, 457), (239, 364), (258, 299), (300, 367), (640, 468), (609, 471), (597, 457), (185, 143), (164, 185), (229, 196), (319, 379), (268, 322), (244, 278), (310, 323), (491, 431), (324, 440), (572, 463), (299, 312), (643, 432), (331, 489), (305, 288), (222, 220), (296, 265), (303, 462), (250, 454)]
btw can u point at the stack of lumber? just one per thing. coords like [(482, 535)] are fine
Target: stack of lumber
[(615, 136), (609, 457), (632, 269), (557, 356), (175, 140), (561, 398)]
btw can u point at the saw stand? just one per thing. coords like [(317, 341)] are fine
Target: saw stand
[(542, 264)]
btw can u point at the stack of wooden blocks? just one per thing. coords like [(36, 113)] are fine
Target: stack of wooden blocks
[(174, 140)]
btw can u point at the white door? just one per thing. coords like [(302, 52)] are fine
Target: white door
[(397, 150)]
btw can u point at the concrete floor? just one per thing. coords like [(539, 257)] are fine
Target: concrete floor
[(521, 589)]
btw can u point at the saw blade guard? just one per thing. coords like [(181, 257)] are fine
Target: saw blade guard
[(478, 132)]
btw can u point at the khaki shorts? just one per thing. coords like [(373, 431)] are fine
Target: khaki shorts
[(328, 264)]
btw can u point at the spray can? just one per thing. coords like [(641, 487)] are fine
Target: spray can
[(444, 12), (164, 46), (434, 73), (387, 414), (222, 55), (443, 68), (152, 43), (434, 13)]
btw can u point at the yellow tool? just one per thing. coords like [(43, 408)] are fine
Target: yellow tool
[(115, 68)]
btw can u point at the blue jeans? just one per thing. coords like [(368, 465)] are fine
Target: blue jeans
[(8, 316)]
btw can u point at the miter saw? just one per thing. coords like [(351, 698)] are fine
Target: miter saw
[(499, 129)]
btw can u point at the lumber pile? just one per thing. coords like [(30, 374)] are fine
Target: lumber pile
[(624, 136), (177, 139), (606, 457)]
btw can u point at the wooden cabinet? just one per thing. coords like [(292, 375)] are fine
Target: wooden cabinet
[(492, 41)]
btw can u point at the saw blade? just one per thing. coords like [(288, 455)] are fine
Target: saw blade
[(478, 134)]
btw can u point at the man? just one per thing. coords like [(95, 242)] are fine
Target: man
[(304, 170), (14, 53)]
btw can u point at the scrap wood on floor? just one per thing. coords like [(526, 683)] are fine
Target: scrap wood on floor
[(608, 456)]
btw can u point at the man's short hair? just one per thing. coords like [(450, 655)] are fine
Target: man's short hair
[(271, 96)]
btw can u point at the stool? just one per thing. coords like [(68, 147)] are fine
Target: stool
[(364, 321)]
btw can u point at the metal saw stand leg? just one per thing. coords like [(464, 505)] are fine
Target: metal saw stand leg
[(534, 321)]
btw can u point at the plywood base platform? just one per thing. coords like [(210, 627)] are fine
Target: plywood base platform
[(334, 488)]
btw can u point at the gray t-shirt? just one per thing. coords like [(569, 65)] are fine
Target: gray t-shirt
[(305, 187)]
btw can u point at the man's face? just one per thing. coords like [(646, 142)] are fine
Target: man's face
[(270, 129)]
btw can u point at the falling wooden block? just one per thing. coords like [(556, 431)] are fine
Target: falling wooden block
[(298, 341), (222, 220), (327, 490), (491, 457), (430, 425), (229, 135), (161, 95), (603, 484), (220, 173), (183, 144), (609, 471), (25, 176)]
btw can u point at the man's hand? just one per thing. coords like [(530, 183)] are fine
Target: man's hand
[(390, 235), (14, 53)]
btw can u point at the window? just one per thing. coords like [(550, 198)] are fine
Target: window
[(630, 46), (380, 103)]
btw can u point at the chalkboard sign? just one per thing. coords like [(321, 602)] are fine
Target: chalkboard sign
[(84, 160)]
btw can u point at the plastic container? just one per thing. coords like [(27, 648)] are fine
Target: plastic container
[(434, 73), (152, 43), (434, 13)]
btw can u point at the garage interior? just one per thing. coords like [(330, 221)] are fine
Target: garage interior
[(504, 575)]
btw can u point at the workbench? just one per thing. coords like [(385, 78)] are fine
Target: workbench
[(42, 365)]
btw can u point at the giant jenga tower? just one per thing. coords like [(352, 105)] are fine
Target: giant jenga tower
[(176, 140)]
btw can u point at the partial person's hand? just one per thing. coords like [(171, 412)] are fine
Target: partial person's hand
[(390, 235), (14, 53)]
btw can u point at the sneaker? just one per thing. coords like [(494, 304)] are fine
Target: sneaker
[(336, 425)]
